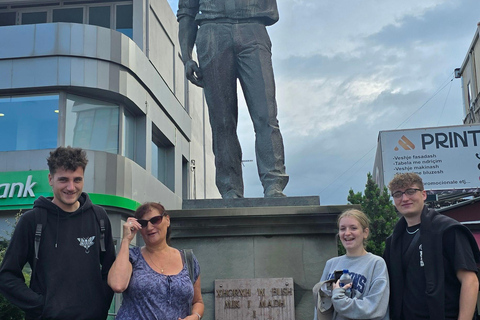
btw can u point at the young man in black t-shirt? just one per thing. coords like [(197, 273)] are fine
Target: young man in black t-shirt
[(432, 259)]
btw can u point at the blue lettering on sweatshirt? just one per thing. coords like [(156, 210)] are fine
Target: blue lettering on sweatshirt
[(358, 281)]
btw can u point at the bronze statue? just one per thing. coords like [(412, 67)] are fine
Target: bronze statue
[(233, 43)]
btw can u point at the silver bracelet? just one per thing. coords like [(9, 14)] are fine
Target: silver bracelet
[(198, 315)]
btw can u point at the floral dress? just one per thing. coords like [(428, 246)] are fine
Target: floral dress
[(154, 296)]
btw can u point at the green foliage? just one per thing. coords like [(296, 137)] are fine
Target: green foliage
[(7, 310), (3, 248), (376, 204)]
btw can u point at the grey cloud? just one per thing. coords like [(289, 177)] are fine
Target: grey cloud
[(449, 21)]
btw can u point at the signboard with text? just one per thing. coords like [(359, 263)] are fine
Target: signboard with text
[(23, 187), (254, 299), (445, 157), (19, 189)]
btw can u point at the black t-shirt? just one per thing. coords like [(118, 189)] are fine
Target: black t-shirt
[(457, 254)]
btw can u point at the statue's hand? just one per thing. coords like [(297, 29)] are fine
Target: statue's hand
[(193, 73)]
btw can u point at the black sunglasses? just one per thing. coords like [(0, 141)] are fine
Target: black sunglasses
[(154, 221)]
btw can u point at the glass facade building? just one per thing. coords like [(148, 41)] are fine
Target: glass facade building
[(105, 76)]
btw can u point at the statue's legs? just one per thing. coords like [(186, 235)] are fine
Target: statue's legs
[(217, 62), (253, 48), (227, 52)]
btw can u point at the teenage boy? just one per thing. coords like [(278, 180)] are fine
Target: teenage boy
[(68, 243), (431, 259)]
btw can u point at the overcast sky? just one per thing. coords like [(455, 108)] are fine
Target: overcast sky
[(346, 70)]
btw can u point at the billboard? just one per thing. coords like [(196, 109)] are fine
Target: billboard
[(447, 158)]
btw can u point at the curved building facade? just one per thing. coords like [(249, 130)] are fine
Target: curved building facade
[(105, 76)]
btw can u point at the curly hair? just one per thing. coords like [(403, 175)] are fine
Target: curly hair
[(149, 206), (405, 180), (67, 158)]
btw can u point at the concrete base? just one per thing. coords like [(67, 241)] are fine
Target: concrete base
[(259, 242), (251, 202)]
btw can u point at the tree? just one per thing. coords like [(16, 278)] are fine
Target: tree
[(7, 310), (380, 210)]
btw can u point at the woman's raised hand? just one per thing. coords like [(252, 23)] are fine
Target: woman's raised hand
[(130, 228)]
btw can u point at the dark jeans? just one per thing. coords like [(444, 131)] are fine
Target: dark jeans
[(227, 51)]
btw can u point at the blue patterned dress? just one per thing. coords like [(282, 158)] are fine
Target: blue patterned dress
[(151, 295)]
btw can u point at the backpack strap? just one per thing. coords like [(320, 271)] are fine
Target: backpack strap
[(38, 236), (189, 262), (188, 255), (101, 222), (40, 223)]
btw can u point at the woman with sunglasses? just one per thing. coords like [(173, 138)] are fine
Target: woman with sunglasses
[(154, 279)]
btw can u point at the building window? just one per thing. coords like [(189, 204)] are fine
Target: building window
[(91, 124), (129, 134), (185, 178), (99, 16), (163, 157), (73, 15), (469, 93), (37, 131), (117, 15), (8, 18), (34, 17), (124, 20)]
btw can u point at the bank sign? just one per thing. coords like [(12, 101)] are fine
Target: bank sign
[(445, 157), (23, 187)]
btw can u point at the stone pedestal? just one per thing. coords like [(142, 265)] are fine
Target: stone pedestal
[(276, 238)]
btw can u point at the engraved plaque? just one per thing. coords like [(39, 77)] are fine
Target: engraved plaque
[(254, 299)]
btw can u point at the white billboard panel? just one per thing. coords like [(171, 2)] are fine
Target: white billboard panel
[(445, 157)]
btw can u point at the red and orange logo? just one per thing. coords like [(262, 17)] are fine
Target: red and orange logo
[(405, 143)]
